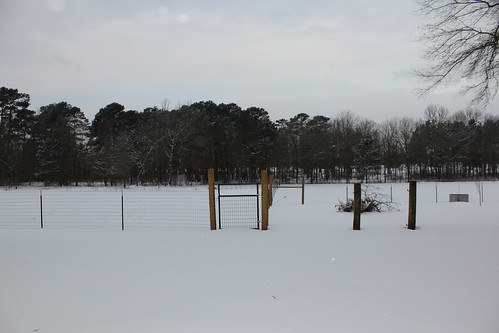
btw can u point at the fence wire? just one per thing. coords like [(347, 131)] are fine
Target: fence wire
[(20, 208), (67, 209), (178, 208), (108, 208)]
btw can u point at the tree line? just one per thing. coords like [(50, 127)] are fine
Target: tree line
[(59, 145)]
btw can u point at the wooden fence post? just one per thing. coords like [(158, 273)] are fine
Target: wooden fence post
[(303, 190), (265, 200), (412, 205), (211, 190), (356, 205)]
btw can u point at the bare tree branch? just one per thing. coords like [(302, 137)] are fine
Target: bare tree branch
[(463, 41)]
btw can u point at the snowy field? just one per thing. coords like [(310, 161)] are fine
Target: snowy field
[(310, 272)]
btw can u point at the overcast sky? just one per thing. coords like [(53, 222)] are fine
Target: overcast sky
[(320, 57)]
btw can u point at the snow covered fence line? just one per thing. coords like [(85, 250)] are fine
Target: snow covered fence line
[(136, 207), (276, 185)]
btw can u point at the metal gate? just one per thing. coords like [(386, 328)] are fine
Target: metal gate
[(238, 207)]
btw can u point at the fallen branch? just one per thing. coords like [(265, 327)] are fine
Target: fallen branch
[(372, 201)]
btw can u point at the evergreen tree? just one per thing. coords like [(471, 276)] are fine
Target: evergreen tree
[(16, 136), (62, 135), (112, 132)]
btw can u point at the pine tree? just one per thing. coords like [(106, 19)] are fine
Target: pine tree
[(16, 129), (63, 138)]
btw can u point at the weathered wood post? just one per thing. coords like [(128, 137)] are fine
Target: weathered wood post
[(211, 190), (265, 200), (356, 205), (412, 206)]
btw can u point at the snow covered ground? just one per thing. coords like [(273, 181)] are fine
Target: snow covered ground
[(309, 273)]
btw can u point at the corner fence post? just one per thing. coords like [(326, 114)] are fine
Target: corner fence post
[(357, 202), (412, 205), (211, 193), (265, 200)]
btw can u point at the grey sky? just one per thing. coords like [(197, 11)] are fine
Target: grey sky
[(314, 56)]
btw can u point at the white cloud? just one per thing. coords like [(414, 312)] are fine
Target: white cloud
[(163, 11), (56, 5), (372, 12), (184, 18)]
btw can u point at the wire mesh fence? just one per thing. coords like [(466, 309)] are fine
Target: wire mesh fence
[(20, 209), (167, 207), (239, 211), (70, 208), (135, 207), (179, 208)]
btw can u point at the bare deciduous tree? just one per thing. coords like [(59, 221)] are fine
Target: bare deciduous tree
[(463, 40)]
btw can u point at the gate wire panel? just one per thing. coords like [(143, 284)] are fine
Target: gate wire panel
[(238, 206), (239, 211), (20, 208), (114, 208)]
